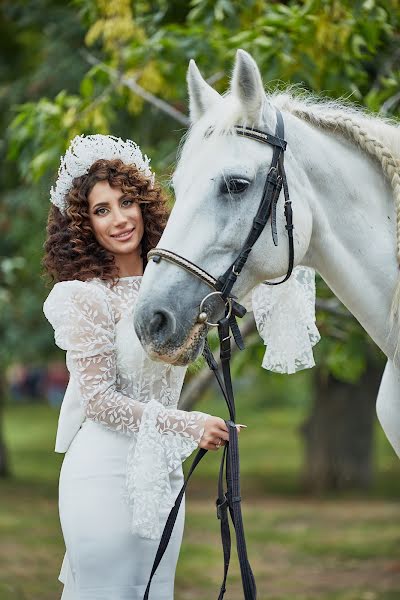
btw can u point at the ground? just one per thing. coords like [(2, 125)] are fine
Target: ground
[(337, 548)]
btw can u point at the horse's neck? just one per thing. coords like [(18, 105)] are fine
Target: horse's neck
[(353, 244)]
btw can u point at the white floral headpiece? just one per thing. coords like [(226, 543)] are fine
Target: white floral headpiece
[(83, 151)]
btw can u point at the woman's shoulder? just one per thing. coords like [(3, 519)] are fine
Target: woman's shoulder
[(75, 293), (77, 287)]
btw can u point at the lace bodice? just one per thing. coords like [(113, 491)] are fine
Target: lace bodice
[(121, 388)]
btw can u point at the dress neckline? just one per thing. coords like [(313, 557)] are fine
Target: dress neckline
[(131, 277)]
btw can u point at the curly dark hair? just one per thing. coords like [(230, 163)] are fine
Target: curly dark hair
[(71, 249)]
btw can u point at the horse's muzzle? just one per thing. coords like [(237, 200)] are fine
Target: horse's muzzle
[(165, 338)]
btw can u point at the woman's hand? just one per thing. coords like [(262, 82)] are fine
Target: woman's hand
[(215, 433)]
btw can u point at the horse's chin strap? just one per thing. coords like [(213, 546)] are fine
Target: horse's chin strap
[(238, 310)]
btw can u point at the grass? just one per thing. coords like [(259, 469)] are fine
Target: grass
[(272, 447), (345, 548)]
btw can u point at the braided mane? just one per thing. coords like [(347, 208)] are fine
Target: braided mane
[(378, 137)]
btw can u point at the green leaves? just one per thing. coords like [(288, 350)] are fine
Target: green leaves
[(71, 81), (345, 349), (35, 135)]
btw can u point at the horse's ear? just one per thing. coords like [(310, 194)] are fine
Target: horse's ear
[(247, 85), (201, 95)]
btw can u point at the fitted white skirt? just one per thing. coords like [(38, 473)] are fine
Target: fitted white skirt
[(103, 559)]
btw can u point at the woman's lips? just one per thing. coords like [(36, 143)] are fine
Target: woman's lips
[(124, 236)]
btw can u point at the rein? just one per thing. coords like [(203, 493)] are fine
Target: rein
[(229, 501)]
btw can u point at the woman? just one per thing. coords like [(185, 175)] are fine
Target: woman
[(123, 437)]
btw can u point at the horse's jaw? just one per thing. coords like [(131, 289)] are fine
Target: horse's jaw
[(180, 355)]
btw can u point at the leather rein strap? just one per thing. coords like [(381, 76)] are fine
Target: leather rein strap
[(229, 501)]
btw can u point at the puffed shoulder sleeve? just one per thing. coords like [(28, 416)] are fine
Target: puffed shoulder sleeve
[(81, 318)]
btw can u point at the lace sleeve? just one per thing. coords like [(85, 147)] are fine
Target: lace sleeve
[(84, 326), (285, 319)]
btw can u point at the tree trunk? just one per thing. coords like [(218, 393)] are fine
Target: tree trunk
[(4, 464), (339, 433)]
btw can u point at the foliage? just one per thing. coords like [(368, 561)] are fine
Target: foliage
[(68, 70), (345, 349)]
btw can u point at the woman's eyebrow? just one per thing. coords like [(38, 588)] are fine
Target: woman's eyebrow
[(100, 204), (106, 202)]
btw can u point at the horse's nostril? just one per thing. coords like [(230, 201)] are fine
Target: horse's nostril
[(157, 322), (161, 323), (155, 326)]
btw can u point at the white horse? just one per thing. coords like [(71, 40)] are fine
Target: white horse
[(342, 169)]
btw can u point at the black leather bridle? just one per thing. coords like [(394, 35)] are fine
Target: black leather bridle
[(222, 286)]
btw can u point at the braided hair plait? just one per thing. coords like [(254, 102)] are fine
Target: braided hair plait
[(353, 130)]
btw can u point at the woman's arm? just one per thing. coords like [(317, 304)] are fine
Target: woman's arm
[(84, 326)]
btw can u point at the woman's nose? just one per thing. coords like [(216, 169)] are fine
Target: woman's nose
[(119, 216)]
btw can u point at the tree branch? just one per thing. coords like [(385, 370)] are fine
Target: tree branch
[(131, 83), (390, 103)]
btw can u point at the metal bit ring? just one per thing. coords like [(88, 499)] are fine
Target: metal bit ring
[(228, 303)]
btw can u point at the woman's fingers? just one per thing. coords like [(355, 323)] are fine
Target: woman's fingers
[(222, 425), (216, 433), (216, 445), (223, 435)]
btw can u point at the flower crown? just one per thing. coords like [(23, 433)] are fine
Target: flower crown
[(83, 151)]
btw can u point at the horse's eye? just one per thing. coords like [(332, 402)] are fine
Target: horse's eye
[(235, 185)]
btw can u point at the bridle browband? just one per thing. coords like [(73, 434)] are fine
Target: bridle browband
[(222, 286)]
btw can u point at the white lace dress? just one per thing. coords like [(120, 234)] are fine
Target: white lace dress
[(124, 441)]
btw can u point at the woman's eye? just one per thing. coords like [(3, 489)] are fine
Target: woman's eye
[(235, 185), (125, 202), (98, 211)]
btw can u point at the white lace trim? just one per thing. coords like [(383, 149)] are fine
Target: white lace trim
[(152, 455), (285, 319)]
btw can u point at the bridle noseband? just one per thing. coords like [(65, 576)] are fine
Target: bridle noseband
[(228, 503)]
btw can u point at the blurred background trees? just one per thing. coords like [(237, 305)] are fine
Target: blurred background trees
[(120, 67)]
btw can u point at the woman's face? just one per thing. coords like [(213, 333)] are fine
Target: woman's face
[(116, 220)]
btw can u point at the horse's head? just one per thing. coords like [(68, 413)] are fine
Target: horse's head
[(218, 185)]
